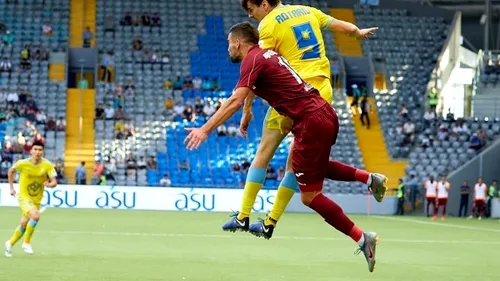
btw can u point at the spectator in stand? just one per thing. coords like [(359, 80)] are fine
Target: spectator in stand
[(106, 66), (165, 181), (146, 19), (365, 112), (51, 124), (206, 85), (109, 112), (197, 83), (281, 173), (4, 167), (129, 129), (429, 118), (131, 162), (245, 165), (155, 20), (169, 105), (198, 107), (179, 108), (169, 84), (61, 124), (99, 111), (232, 130), (87, 37), (482, 136), (141, 164), (120, 130), (127, 19), (178, 83), (442, 133), (12, 98), (137, 43), (7, 38), (215, 85), (188, 83), (450, 117), (184, 166), (409, 131), (475, 142), (222, 130), (5, 65), (165, 58), (81, 174), (271, 173), (119, 113), (41, 118), (208, 109), (47, 29), (3, 28), (403, 113), (188, 114), (151, 163)]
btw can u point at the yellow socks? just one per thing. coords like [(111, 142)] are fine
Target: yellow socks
[(17, 235), (286, 190), (30, 228), (253, 184)]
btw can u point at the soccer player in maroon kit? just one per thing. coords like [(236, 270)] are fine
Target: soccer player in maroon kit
[(315, 127)]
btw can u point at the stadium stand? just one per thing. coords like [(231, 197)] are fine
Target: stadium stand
[(206, 57), (32, 31), (410, 46)]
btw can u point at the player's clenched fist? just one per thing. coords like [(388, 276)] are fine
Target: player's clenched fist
[(195, 138)]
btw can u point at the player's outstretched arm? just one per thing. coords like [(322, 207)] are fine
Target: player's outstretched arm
[(351, 29), (229, 107)]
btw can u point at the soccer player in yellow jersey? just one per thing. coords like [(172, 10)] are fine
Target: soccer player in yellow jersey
[(36, 173), (294, 32)]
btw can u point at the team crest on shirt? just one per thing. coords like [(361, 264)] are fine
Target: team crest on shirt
[(34, 189)]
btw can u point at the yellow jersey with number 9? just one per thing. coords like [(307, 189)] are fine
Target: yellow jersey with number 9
[(32, 177), (294, 32)]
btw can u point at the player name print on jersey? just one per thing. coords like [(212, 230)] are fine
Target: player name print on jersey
[(291, 14)]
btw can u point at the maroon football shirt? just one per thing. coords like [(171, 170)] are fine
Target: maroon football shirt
[(270, 77)]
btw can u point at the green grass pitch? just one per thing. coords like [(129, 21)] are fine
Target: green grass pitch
[(111, 245)]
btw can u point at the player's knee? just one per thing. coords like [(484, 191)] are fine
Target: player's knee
[(34, 215), (24, 223), (307, 197)]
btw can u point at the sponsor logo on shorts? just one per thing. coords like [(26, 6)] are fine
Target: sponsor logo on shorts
[(299, 174)]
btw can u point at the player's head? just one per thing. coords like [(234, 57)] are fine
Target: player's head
[(480, 180), (37, 150), (443, 178), (258, 9), (241, 37)]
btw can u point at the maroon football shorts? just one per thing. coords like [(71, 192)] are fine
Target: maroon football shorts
[(479, 203), (314, 136), (442, 201)]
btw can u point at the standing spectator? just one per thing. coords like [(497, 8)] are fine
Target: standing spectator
[(430, 194), (87, 37), (433, 99), (81, 174), (365, 112), (356, 94), (442, 197), (106, 65), (98, 172), (492, 191), (464, 199), (480, 190), (401, 198)]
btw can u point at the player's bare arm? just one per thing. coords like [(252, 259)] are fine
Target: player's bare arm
[(229, 107), (351, 29), (247, 114), (11, 176), (51, 183)]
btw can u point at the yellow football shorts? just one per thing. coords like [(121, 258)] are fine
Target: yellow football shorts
[(26, 204), (273, 118)]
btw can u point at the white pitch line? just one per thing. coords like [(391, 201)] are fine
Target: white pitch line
[(225, 236), (438, 224)]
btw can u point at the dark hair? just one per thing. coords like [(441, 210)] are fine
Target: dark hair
[(244, 3), (38, 143), (246, 31)]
